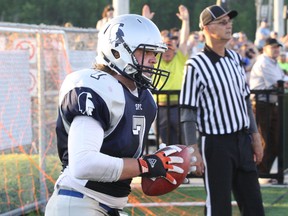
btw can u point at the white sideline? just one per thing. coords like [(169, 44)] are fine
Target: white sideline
[(165, 204)]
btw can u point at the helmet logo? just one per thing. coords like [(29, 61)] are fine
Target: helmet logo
[(116, 34)]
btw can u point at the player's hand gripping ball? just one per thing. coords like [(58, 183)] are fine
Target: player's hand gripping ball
[(175, 176)]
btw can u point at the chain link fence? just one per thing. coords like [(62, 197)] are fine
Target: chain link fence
[(34, 61)]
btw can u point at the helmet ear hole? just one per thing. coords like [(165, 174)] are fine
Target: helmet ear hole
[(115, 53)]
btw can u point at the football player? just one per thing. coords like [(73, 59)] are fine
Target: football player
[(104, 115)]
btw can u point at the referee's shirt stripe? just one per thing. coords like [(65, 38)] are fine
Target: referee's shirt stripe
[(240, 88), (233, 92), (216, 85), (210, 101), (227, 96)]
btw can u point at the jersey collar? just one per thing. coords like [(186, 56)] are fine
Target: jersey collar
[(214, 57)]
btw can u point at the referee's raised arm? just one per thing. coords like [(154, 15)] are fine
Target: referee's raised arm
[(215, 99)]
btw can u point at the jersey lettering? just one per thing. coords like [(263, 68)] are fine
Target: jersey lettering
[(139, 124), (98, 75), (138, 106)]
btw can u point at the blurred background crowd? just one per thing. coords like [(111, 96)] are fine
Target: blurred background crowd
[(248, 48)]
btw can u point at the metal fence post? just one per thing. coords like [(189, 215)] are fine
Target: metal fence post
[(280, 176), (41, 114)]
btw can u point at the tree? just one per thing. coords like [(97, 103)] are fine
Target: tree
[(85, 13)]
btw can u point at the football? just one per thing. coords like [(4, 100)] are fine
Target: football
[(159, 186)]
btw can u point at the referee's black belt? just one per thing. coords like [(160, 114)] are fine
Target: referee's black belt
[(244, 130), (72, 193), (168, 106)]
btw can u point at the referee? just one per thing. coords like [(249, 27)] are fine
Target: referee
[(215, 100)]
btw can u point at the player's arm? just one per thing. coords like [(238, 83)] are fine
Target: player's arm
[(188, 123), (87, 162), (154, 165), (85, 159), (146, 12), (183, 15), (256, 138)]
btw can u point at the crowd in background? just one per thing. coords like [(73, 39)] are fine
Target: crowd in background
[(194, 42), (239, 42), (248, 49)]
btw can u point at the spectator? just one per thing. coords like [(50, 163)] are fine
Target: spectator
[(284, 41), (175, 35), (201, 40), (274, 34), (262, 33), (107, 15), (68, 25), (233, 43), (194, 45), (214, 99), (238, 40), (242, 38), (249, 55), (173, 60), (147, 13), (264, 75), (282, 61), (165, 33)]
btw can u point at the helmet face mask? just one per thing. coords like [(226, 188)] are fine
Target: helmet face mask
[(117, 43), (145, 76)]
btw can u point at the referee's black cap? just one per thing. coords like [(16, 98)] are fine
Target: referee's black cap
[(214, 12), (272, 41)]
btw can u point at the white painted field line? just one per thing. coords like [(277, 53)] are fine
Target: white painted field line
[(168, 204)]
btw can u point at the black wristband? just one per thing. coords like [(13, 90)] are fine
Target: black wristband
[(155, 166)]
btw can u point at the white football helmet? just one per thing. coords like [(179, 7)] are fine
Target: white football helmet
[(117, 42)]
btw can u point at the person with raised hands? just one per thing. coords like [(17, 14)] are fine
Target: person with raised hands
[(173, 60)]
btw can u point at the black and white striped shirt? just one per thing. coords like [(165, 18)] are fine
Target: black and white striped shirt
[(216, 87)]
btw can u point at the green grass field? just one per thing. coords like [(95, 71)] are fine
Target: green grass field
[(186, 200), (19, 181)]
